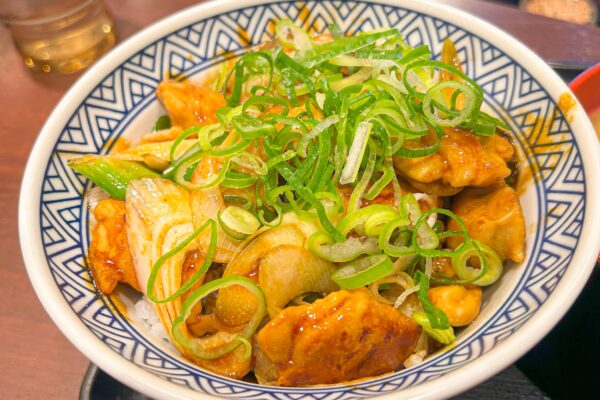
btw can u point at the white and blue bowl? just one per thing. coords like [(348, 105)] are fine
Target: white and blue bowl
[(116, 99)]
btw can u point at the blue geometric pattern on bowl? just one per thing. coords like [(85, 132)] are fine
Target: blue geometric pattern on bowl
[(551, 152)]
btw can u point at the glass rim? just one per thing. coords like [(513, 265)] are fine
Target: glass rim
[(24, 21)]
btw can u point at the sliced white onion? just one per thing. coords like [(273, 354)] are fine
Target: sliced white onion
[(415, 358), (431, 202), (402, 298), (356, 153), (323, 125)]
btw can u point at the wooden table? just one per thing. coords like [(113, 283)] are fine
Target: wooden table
[(36, 361)]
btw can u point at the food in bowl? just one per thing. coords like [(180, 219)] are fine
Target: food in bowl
[(318, 210)]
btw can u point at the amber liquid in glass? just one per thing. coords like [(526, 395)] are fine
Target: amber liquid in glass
[(65, 43)]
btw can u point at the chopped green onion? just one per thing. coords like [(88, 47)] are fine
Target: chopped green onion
[(323, 52), (213, 180), (388, 248), (437, 318), (182, 136), (363, 271), (355, 198), (291, 36), (357, 219), (240, 220), (253, 63), (244, 202), (445, 336), (288, 155), (321, 244), (275, 221), (488, 258), (111, 174), (250, 127), (151, 285), (323, 125), (162, 122), (469, 94), (237, 180), (251, 162)]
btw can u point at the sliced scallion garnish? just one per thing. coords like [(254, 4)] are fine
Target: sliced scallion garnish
[(240, 220), (363, 271)]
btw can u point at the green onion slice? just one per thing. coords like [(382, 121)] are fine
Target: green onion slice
[(323, 52), (291, 36), (437, 318), (323, 245), (250, 161), (111, 174), (363, 271), (323, 125), (470, 103), (182, 170), (240, 220), (392, 249), (488, 258), (150, 287), (444, 336), (162, 122), (423, 234), (356, 220)]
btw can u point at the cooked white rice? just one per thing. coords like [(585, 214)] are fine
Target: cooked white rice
[(147, 318)]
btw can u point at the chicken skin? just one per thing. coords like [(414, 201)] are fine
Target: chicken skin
[(188, 104), (494, 217), (110, 258), (463, 160), (345, 336)]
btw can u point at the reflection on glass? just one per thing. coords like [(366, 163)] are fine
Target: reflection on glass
[(59, 35)]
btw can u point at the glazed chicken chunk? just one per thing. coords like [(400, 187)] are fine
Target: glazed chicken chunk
[(463, 160), (494, 217), (345, 336), (110, 258), (188, 104)]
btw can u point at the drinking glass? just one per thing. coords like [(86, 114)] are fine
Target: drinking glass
[(59, 36)]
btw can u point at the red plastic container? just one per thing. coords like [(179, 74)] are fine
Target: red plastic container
[(586, 87)]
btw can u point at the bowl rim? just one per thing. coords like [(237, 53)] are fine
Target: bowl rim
[(471, 374)]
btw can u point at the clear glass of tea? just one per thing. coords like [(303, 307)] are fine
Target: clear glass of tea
[(59, 36)]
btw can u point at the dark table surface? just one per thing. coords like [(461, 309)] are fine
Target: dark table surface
[(36, 361)]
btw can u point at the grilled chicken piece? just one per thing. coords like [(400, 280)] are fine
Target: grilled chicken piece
[(494, 217), (109, 256), (463, 160), (166, 135), (188, 104), (386, 197), (158, 219), (460, 303), (345, 336)]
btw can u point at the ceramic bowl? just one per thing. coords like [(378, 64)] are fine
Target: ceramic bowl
[(115, 98)]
